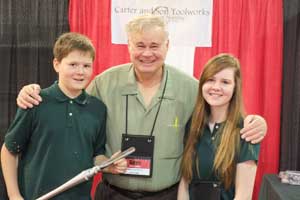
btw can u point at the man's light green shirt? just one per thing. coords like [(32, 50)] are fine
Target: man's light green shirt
[(112, 86)]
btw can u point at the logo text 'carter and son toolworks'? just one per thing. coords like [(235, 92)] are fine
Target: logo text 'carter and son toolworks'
[(171, 14)]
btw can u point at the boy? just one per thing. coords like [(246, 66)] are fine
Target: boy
[(51, 143)]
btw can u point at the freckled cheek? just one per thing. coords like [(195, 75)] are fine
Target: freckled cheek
[(89, 74)]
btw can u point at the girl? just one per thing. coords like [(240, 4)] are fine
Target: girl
[(214, 150)]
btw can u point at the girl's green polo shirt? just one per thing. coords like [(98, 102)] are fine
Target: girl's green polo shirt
[(57, 140), (206, 149)]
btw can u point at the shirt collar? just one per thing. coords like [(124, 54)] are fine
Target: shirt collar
[(56, 93), (131, 87)]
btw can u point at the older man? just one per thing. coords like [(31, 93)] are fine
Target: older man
[(149, 104)]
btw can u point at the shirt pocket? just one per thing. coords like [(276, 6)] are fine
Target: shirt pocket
[(170, 133)]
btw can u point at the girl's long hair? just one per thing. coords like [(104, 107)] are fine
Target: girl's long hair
[(224, 163)]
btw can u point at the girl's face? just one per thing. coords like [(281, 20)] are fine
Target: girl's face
[(218, 90)]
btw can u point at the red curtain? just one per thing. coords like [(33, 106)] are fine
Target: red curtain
[(251, 30)]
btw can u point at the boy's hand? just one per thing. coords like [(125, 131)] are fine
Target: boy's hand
[(117, 167), (29, 96), (255, 129)]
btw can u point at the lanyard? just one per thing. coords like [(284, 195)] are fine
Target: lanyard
[(163, 94)]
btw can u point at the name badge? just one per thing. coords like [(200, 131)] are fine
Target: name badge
[(139, 163)]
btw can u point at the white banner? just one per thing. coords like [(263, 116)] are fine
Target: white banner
[(182, 58), (189, 21)]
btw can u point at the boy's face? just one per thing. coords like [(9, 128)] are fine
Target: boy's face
[(74, 72)]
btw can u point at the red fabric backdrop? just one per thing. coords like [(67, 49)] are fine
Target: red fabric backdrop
[(251, 30)]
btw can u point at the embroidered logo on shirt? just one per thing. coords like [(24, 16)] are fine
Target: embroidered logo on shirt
[(175, 124)]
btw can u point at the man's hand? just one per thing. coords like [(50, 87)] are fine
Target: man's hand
[(117, 167), (29, 96), (255, 129)]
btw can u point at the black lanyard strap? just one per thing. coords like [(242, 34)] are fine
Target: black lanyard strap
[(161, 99), (126, 114)]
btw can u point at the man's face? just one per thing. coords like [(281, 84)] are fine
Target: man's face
[(148, 51)]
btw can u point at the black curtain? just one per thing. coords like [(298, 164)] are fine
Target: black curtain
[(290, 117), (28, 29)]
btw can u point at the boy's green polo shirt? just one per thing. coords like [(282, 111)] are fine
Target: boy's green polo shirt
[(177, 106), (206, 149), (57, 140)]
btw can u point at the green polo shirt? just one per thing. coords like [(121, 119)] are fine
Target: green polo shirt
[(112, 86), (57, 140), (206, 149)]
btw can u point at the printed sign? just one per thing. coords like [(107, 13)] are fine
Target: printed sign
[(189, 22)]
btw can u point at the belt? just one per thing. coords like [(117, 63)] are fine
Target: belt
[(139, 194)]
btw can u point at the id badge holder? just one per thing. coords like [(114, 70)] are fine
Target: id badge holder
[(139, 163)]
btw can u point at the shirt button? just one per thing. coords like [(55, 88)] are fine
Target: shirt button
[(217, 126), (213, 138), (70, 114), (71, 102)]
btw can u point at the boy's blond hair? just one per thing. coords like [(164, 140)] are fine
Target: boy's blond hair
[(71, 41)]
